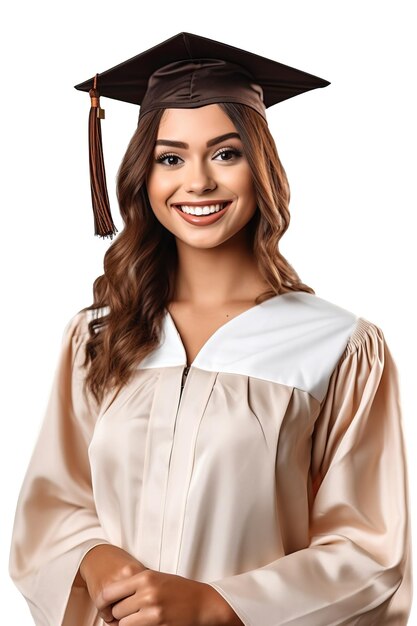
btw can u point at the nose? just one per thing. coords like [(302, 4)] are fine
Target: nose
[(199, 178)]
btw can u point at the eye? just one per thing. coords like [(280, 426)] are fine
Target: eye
[(229, 153), (173, 159)]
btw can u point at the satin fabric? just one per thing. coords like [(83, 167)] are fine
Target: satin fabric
[(194, 83), (293, 507)]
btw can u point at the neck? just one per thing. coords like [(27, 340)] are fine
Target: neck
[(218, 275)]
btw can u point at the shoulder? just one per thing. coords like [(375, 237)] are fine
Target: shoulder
[(320, 317), (311, 306), (312, 320), (313, 334), (352, 328)]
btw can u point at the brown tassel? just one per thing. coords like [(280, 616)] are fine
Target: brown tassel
[(103, 222)]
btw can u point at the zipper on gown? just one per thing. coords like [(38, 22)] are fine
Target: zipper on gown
[(184, 378)]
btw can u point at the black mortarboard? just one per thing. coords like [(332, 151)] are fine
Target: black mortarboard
[(185, 71)]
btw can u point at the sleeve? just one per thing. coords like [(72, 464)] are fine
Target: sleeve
[(357, 567), (55, 522)]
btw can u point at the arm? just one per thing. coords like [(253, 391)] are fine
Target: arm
[(356, 569), (55, 520)]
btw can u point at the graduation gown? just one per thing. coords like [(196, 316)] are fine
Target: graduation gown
[(276, 473)]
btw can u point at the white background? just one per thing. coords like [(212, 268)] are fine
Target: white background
[(349, 151)]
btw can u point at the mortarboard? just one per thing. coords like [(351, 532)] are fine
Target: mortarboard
[(185, 71)]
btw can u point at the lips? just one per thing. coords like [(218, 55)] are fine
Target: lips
[(203, 220)]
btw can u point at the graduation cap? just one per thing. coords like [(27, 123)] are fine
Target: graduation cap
[(185, 71)]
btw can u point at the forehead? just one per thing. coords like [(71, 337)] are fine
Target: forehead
[(201, 122)]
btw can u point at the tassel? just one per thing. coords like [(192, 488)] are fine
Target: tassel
[(103, 222)]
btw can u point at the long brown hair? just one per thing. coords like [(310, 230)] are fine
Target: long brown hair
[(140, 265)]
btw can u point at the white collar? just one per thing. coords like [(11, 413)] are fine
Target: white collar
[(294, 339)]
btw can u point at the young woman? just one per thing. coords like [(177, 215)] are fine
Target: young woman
[(221, 445)]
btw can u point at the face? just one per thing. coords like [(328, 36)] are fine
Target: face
[(200, 184)]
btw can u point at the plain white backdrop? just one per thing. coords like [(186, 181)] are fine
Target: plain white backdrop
[(349, 151)]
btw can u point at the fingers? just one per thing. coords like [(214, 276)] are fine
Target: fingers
[(114, 592), (123, 588), (143, 617), (108, 617), (126, 607), (126, 598)]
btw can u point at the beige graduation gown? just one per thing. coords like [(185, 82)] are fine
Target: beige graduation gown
[(278, 475)]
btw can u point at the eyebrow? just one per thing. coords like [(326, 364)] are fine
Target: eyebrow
[(182, 144)]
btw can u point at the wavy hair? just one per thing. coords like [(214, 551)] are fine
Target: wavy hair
[(140, 265)]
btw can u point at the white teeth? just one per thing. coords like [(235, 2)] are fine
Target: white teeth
[(201, 210)]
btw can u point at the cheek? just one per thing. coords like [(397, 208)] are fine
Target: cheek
[(239, 178), (159, 186), (244, 183)]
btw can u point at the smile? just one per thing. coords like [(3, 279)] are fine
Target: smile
[(202, 214), (201, 210)]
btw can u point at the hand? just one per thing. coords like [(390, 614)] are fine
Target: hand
[(102, 565), (149, 598)]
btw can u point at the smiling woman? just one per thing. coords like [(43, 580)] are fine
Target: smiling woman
[(200, 176), (221, 446)]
